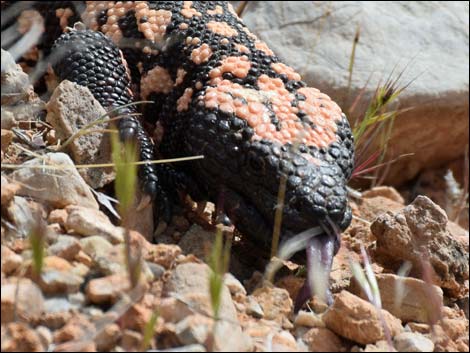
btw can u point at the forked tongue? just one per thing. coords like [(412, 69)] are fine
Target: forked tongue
[(320, 252)]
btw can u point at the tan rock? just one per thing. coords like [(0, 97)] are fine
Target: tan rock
[(412, 342), (136, 318), (7, 137), (320, 339), (163, 254), (131, 340), (9, 190), (19, 337), (22, 297), (108, 337), (57, 216), (358, 320), (87, 222), (418, 327), (10, 260), (384, 191), (308, 319), (418, 233), (189, 282), (59, 189), (283, 341), (107, 289), (66, 247), (275, 302), (407, 298), (195, 329), (70, 109)]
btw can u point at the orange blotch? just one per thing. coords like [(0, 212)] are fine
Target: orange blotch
[(188, 11), (201, 54), (93, 9), (217, 11), (157, 80), (281, 68), (263, 47), (63, 16), (242, 49), (236, 65), (183, 102), (222, 28), (180, 73)]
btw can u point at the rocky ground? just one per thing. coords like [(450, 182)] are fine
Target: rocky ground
[(83, 301)]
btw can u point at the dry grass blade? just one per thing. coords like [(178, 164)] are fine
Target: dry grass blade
[(369, 285)]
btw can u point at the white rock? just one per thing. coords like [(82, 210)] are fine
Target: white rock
[(57, 187)]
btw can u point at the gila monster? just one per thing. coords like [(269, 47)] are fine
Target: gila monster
[(220, 92)]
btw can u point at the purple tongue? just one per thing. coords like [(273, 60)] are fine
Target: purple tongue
[(320, 252)]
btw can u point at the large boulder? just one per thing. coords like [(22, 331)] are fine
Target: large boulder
[(428, 40)]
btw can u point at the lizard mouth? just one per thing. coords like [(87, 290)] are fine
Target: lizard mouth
[(321, 244)]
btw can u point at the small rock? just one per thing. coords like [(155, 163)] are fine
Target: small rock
[(57, 276), (70, 109), (156, 269), (163, 254), (409, 299), (8, 119), (66, 247), (58, 216), (372, 207), (197, 241), (130, 340), (88, 222), (253, 308), (137, 317), (380, 346), (358, 320), (417, 232), (55, 282), (10, 260), (19, 337), (283, 341), (7, 137), (107, 289), (45, 335), (77, 299), (320, 339), (108, 337), (464, 305), (189, 282), (62, 187), (25, 215), (9, 190), (16, 87), (173, 310), (412, 342), (74, 330), (384, 191), (234, 285), (308, 319), (58, 305), (84, 259), (194, 329), (275, 302), (25, 296), (96, 246), (418, 327), (292, 284)]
